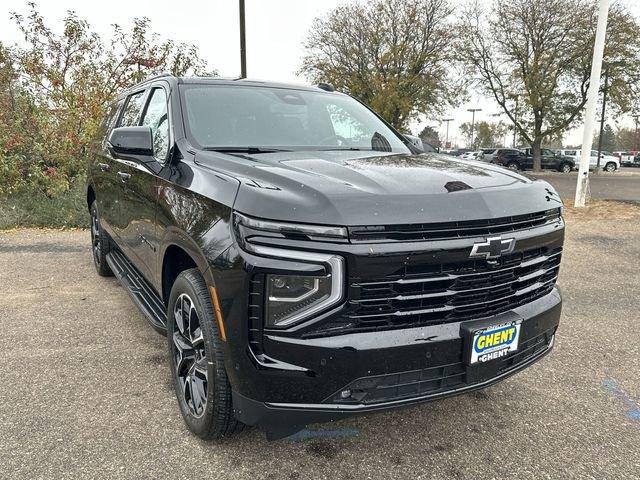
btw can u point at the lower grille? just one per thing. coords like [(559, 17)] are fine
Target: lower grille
[(434, 380), (442, 293)]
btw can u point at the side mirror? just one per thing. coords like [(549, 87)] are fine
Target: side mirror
[(136, 141)]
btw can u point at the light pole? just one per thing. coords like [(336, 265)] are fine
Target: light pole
[(243, 44), (446, 141), (592, 98), (515, 119), (604, 110), (635, 116), (473, 121)]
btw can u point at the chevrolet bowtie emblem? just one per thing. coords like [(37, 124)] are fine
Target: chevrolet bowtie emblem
[(494, 247)]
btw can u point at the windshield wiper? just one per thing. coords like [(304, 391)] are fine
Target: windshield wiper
[(249, 150), (341, 149)]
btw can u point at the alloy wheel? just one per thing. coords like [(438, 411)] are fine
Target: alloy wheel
[(566, 168), (610, 167), (190, 356)]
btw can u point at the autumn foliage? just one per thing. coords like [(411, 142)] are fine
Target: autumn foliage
[(55, 86)]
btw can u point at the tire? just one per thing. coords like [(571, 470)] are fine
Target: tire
[(100, 244), (513, 166), (610, 167), (565, 168), (196, 360)]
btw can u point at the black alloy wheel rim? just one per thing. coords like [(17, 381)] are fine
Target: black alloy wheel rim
[(96, 245), (190, 356)]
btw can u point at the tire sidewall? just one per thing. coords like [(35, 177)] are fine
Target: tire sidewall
[(202, 425)]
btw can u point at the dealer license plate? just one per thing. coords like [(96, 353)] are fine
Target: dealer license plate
[(495, 341)]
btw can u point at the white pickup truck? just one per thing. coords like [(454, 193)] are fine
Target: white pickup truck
[(608, 162)]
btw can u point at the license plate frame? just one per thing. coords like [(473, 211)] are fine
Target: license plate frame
[(491, 339)]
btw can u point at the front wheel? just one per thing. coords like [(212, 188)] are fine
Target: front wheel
[(513, 166), (565, 168), (196, 359), (610, 167)]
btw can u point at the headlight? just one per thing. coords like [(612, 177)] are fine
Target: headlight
[(288, 295), (293, 230), (292, 298)]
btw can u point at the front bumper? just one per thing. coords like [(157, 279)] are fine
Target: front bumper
[(383, 370)]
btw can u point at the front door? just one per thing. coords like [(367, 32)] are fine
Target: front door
[(139, 200)]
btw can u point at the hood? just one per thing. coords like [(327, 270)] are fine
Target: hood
[(375, 188)]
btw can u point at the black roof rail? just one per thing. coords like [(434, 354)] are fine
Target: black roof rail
[(155, 77)]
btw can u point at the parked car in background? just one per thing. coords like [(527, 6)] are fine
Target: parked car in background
[(488, 154), (608, 162), (549, 160), (477, 155), (511, 158), (458, 152), (627, 159)]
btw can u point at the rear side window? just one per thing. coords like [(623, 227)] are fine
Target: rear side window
[(156, 117), (110, 118), (132, 110)]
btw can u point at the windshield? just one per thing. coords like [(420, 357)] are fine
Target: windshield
[(234, 117)]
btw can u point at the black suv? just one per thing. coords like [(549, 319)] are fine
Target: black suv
[(523, 160), (306, 263)]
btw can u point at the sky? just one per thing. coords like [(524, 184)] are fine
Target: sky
[(276, 31)]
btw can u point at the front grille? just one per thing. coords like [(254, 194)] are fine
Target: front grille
[(419, 295), (451, 230), (435, 380)]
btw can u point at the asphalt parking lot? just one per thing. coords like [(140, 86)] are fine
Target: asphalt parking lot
[(623, 185), (85, 390)]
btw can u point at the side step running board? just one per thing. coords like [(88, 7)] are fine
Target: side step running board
[(142, 294)]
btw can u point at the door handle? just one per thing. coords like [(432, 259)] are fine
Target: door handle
[(103, 167), (124, 176)]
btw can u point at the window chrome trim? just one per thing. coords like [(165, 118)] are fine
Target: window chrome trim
[(336, 264)]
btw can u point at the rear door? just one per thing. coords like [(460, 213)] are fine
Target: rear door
[(548, 159), (102, 168)]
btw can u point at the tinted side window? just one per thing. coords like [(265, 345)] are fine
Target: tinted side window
[(156, 117), (110, 118), (132, 110)]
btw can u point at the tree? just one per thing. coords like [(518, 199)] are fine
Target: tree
[(59, 85), (486, 134), (608, 139), (430, 135), (538, 53), (627, 139), (394, 55)]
